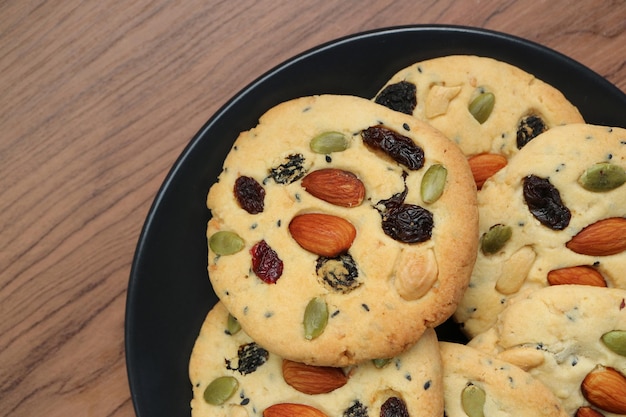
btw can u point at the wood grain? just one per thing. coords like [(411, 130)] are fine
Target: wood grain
[(98, 98)]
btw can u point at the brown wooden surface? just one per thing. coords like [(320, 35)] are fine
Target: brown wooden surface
[(98, 98)]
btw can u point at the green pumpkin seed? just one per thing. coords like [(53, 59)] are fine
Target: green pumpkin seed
[(379, 363), (315, 318), (602, 176), (473, 401), (433, 183), (616, 341), (482, 106), (225, 243), (495, 238), (232, 325), (329, 142), (220, 390)]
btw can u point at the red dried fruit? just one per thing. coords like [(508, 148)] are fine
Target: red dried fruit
[(400, 148), (265, 262), (249, 194)]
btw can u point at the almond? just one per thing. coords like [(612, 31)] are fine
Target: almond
[(484, 165), (605, 388), (335, 186), (579, 275), (313, 380), (587, 412), (602, 238), (322, 234), (292, 410)]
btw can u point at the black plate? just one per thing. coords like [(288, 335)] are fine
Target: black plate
[(169, 293)]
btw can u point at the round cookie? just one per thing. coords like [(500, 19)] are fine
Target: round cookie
[(345, 261), (412, 381), (536, 217), (441, 91), (506, 390), (557, 333)]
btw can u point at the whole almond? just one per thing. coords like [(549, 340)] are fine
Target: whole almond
[(602, 238), (292, 410), (587, 412), (605, 388), (322, 234), (484, 165), (313, 380), (579, 275), (335, 186)]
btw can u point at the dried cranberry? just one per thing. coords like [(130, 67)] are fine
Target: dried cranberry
[(400, 148), (249, 194), (400, 97), (265, 262), (394, 407), (529, 128), (544, 202)]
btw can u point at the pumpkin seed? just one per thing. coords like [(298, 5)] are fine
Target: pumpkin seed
[(495, 238), (329, 142), (433, 183), (315, 318), (482, 106), (616, 341), (602, 176), (225, 242), (473, 400), (379, 363), (220, 390), (232, 325)]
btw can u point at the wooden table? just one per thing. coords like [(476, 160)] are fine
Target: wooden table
[(98, 98)]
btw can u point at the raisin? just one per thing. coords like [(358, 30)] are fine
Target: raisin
[(250, 356), (339, 274), (357, 409), (400, 148), (265, 262), (544, 202), (394, 407), (400, 97), (407, 223), (249, 194), (529, 128), (290, 171)]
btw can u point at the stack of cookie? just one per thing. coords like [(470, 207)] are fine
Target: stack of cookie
[(345, 230)]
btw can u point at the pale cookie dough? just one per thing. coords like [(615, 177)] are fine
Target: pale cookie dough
[(444, 87), (537, 254), (381, 293), (556, 334), (473, 380), (412, 380)]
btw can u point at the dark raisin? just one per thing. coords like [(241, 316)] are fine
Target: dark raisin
[(400, 97), (394, 407), (357, 409), (400, 148), (290, 171), (265, 262), (249, 194), (407, 223), (544, 202), (249, 357), (529, 128), (339, 274)]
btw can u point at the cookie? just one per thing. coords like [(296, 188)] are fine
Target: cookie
[(554, 215), (570, 337), (476, 383), (489, 108), (251, 380), (341, 230)]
